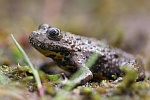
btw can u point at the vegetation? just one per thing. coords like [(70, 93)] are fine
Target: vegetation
[(52, 86)]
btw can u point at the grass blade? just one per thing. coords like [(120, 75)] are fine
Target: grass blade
[(35, 72)]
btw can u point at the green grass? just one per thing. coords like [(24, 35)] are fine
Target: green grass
[(34, 70)]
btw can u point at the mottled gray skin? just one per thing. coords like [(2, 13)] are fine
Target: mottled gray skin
[(72, 51)]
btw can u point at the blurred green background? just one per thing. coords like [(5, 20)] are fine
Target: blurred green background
[(123, 23)]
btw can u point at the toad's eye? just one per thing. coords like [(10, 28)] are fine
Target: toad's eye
[(54, 34), (44, 26)]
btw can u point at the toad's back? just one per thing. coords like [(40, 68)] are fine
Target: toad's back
[(71, 52)]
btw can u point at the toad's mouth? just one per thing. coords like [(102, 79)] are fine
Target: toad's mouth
[(38, 39)]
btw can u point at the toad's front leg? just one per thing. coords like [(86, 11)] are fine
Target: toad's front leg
[(82, 76)]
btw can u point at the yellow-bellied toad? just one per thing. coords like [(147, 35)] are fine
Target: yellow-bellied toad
[(71, 52)]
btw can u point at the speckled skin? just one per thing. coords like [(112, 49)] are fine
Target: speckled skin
[(72, 51)]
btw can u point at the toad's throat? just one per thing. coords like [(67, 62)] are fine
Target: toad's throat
[(52, 54), (59, 59)]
